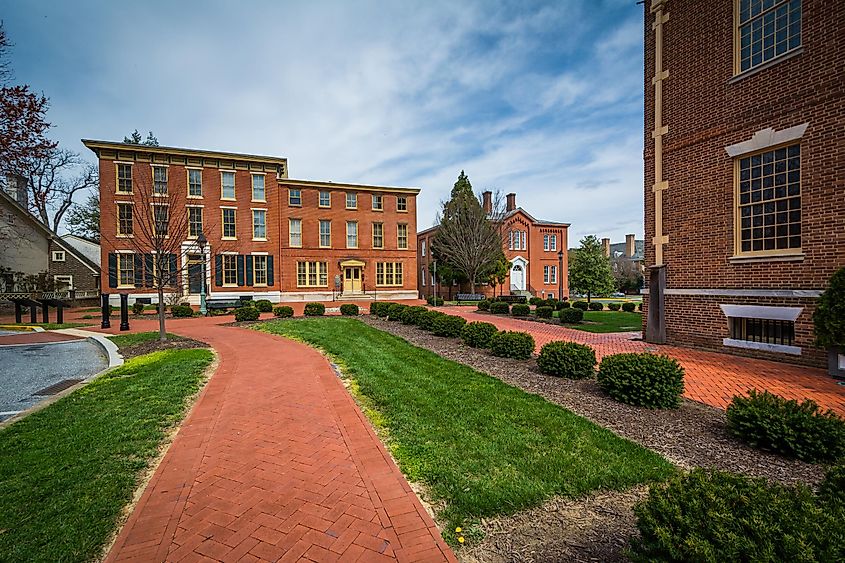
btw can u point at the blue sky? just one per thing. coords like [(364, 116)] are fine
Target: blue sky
[(542, 99)]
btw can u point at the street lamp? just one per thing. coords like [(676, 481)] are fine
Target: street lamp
[(560, 274), (201, 242)]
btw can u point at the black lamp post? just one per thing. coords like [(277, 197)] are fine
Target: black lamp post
[(202, 241), (560, 274)]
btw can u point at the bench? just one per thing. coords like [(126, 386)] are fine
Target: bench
[(513, 298), (469, 297), (223, 303), (144, 300)]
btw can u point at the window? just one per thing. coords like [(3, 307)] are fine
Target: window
[(325, 233), (766, 29), (517, 240), (388, 273), (378, 235), (524, 245), (63, 282), (125, 270), (768, 331), (549, 243), (510, 240), (161, 269), (259, 224), (546, 243), (549, 274), (161, 220), (422, 276), (258, 187), (295, 232), (351, 234), (159, 180), (124, 220), (325, 199), (401, 203), (770, 201), (229, 230), (402, 237), (227, 180), (58, 256), (259, 269), (194, 222), (312, 274), (194, 183), (351, 201), (378, 202), (295, 197), (423, 247), (230, 269), (124, 178)]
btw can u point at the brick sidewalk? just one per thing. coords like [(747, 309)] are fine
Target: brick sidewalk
[(275, 462), (711, 378)]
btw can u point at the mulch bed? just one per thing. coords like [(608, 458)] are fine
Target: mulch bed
[(172, 343)]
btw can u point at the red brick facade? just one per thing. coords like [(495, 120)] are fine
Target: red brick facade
[(714, 117)]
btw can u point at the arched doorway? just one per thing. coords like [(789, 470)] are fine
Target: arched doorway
[(518, 266)]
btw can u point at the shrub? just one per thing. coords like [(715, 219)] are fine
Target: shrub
[(521, 310), (629, 307), (500, 308), (544, 312), (535, 301), (246, 314), (448, 325), (283, 311), (832, 487), (799, 430), (182, 311), (379, 308), (426, 320), (477, 334), (643, 380), (581, 305), (595, 306), (349, 310), (563, 305), (137, 308), (571, 315), (829, 318), (394, 312), (248, 303), (640, 306), (263, 306), (435, 301), (483, 305), (718, 516), (512, 344), (411, 315), (567, 359), (315, 309), (550, 303), (614, 306)]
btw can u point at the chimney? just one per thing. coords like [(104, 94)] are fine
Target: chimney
[(605, 246), (630, 246), (511, 202), (487, 202)]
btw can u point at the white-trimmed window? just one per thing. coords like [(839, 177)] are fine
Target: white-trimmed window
[(124, 178), (160, 180), (351, 200), (389, 273), (351, 234), (402, 236), (325, 233), (258, 193), (422, 247), (229, 226), (295, 232), (64, 281), (194, 182), (401, 203), (161, 219), (325, 199), (230, 270), (125, 269), (259, 224), (125, 224), (422, 276), (259, 269), (546, 243), (766, 29), (312, 274), (194, 221), (552, 242), (378, 202), (58, 256), (524, 240), (550, 274), (295, 197), (378, 235), (227, 183)]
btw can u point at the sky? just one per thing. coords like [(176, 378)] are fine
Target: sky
[(544, 99)]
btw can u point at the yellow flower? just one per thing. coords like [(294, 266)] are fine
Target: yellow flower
[(458, 529), (461, 539)]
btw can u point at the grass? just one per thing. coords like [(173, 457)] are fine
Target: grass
[(480, 446), (67, 471), (608, 321), (127, 340)]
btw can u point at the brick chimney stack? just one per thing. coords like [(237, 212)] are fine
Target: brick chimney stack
[(630, 246), (511, 201), (487, 202), (605, 246)]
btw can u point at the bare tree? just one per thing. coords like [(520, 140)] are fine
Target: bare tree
[(53, 180)]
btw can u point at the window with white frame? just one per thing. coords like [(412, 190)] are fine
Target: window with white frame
[(351, 200), (258, 187), (259, 224), (64, 281), (325, 233), (294, 197), (546, 243), (125, 269), (766, 29), (160, 180), (402, 236), (325, 199), (550, 274), (227, 185), (378, 202), (401, 203), (229, 230), (295, 232), (553, 242), (259, 269), (58, 256), (312, 274), (524, 240), (194, 221), (422, 276), (378, 235), (422, 247), (351, 234), (194, 182)]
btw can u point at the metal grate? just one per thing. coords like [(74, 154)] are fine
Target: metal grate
[(58, 387), (768, 331)]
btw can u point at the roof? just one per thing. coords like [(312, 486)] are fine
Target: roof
[(619, 248), (534, 220), (89, 248), (96, 146), (344, 185)]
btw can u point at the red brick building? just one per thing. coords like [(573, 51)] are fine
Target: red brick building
[(269, 236), (744, 171), (536, 250)]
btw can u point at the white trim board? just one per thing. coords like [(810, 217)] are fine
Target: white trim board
[(766, 138), (792, 293), (761, 312), (776, 348)]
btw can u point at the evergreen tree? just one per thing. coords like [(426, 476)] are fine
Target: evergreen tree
[(589, 269), (462, 187), (84, 220)]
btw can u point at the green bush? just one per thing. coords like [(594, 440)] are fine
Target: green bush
[(477, 334), (629, 307), (567, 359), (583, 305), (643, 380), (263, 306), (563, 305), (248, 303), (448, 326), (500, 308), (596, 306), (544, 312), (426, 320), (394, 312), (434, 301), (614, 306), (512, 344), (550, 303), (379, 308), (535, 301), (521, 310), (137, 308), (283, 311), (411, 315), (799, 430), (832, 487), (349, 310), (483, 305), (315, 309), (829, 318), (182, 311), (571, 316), (246, 314), (640, 306)]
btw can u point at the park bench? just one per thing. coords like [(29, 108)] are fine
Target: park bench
[(469, 297), (513, 298), (223, 303)]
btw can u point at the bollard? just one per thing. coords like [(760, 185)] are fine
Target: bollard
[(18, 312), (33, 312), (60, 313), (124, 311), (45, 312), (104, 303)]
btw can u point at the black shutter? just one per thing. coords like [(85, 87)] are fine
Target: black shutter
[(112, 269), (240, 269), (249, 269), (218, 270), (139, 270), (173, 277), (270, 270), (148, 270)]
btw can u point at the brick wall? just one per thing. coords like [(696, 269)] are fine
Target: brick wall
[(83, 278)]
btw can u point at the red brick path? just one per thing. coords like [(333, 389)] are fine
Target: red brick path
[(275, 462), (711, 378), (35, 338)]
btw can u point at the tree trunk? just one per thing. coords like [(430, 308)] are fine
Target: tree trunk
[(588, 297), (162, 333)]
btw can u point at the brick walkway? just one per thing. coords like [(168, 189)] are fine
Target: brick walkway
[(275, 463), (711, 378)]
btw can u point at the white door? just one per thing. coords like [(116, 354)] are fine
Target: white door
[(517, 278)]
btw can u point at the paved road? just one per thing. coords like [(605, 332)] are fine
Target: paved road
[(29, 368)]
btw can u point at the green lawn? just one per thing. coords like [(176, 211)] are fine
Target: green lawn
[(608, 321), (127, 340), (482, 447), (67, 471)]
